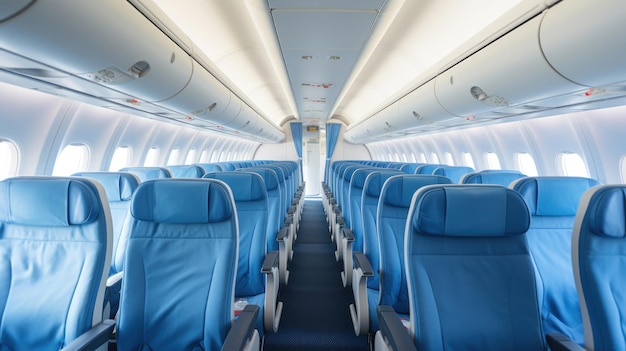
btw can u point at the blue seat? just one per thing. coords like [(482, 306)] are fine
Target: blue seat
[(180, 268), (119, 188), (55, 249), (211, 167), (186, 171), (257, 272), (365, 279), (599, 251), (469, 271), (393, 209), (148, 173), (553, 202), (455, 173), (427, 168), (497, 177)]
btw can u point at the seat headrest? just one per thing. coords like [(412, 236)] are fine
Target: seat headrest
[(553, 196), (358, 178), (399, 189), (453, 172), (183, 201), (469, 211), (245, 186), (49, 201), (606, 211), (348, 172), (186, 171), (269, 177), (501, 178), (119, 186), (374, 182), (148, 173)]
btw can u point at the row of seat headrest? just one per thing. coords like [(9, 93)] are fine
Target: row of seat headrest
[(27, 201)]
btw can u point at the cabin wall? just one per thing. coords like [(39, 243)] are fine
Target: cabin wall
[(596, 135), (41, 125)]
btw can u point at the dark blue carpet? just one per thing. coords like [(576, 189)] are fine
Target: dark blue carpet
[(315, 313)]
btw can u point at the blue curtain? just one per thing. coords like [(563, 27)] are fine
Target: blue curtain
[(332, 134), (296, 133)]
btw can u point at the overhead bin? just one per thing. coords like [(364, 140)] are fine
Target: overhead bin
[(584, 41), (105, 42), (508, 72), (109, 50)]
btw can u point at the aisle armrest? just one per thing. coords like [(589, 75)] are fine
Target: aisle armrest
[(392, 330), (273, 308), (93, 338), (560, 342), (242, 330)]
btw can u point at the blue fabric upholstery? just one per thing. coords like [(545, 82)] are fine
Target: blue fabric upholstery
[(345, 193), (148, 173), (599, 258), (471, 292), (119, 188), (356, 198), (55, 242), (427, 168), (371, 195), (252, 212), (393, 209), (180, 266), (210, 167), (455, 173), (186, 171), (498, 177), (553, 202), (273, 200)]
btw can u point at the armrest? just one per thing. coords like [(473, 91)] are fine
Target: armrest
[(241, 329), (560, 342), (361, 261), (115, 278), (270, 261), (393, 330), (291, 210), (288, 220), (282, 234), (93, 338), (348, 234), (341, 221)]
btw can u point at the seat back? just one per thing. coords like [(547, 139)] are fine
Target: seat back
[(409, 168), (369, 205), (180, 267), (273, 202), (470, 274), (119, 188), (553, 202), (498, 177), (599, 260), (148, 173), (55, 242), (355, 194), (393, 209), (186, 171), (252, 211), (345, 193), (455, 173)]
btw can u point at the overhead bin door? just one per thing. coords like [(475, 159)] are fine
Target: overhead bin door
[(508, 72), (105, 42)]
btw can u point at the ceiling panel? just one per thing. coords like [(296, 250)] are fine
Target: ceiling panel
[(320, 48), (327, 4)]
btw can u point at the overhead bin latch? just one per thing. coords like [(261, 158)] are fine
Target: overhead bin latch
[(489, 100)]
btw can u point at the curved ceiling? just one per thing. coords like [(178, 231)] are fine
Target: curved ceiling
[(312, 59)]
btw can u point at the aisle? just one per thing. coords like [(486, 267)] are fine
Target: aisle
[(315, 314)]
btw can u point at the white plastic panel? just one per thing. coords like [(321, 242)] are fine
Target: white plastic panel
[(584, 40), (508, 72), (421, 107), (78, 37), (203, 97)]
